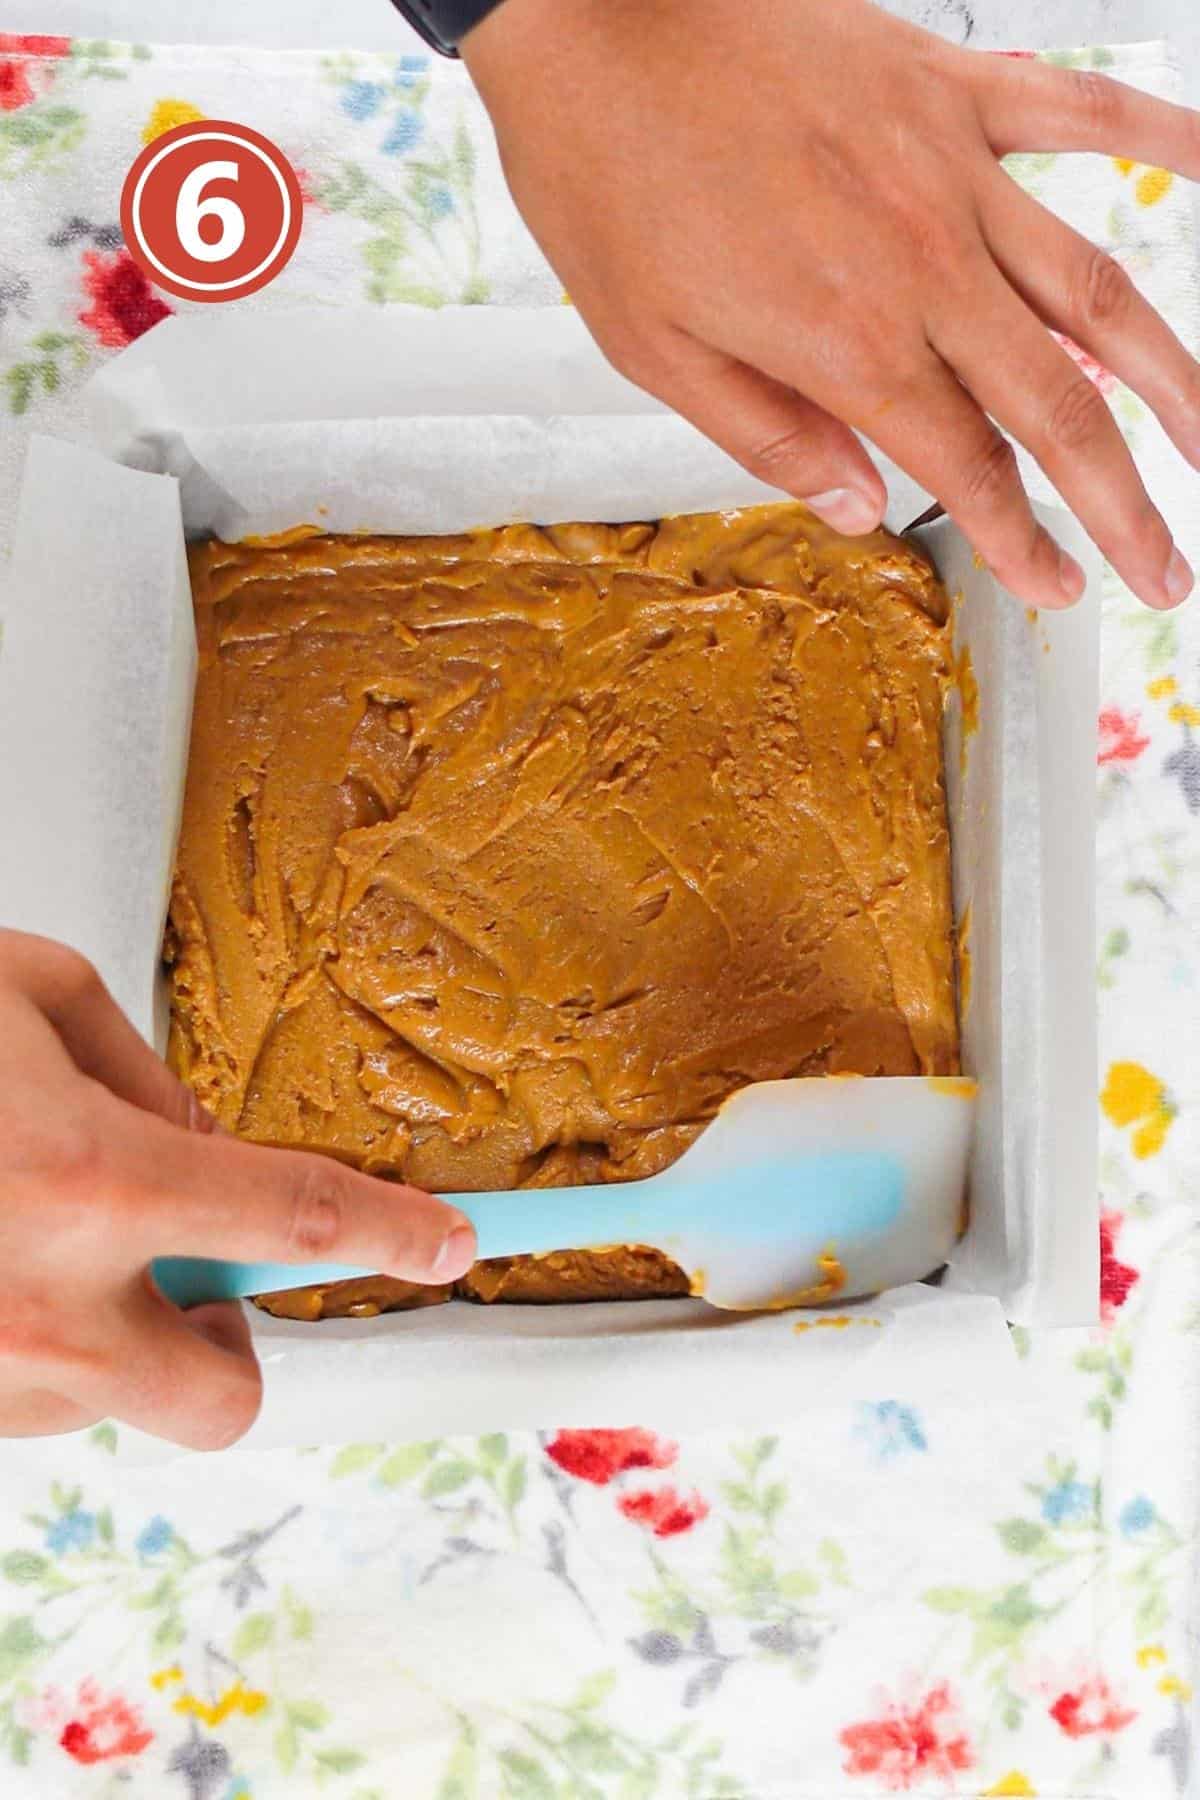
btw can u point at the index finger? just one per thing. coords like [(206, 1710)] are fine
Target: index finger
[(216, 1197), (1029, 105)]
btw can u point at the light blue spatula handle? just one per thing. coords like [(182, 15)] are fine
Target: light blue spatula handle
[(520, 1223)]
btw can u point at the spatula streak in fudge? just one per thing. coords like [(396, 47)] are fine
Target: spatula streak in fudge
[(798, 1192)]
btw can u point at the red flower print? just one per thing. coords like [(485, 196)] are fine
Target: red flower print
[(597, 1456), (102, 1729), (1090, 1708), (1095, 371), (308, 187), (15, 89), (1116, 1278), (911, 1744), (1120, 740), (30, 44), (124, 305), (663, 1511)]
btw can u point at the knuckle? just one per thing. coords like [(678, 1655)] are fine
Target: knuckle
[(27, 1338), (32, 1337), (936, 243), (1094, 98), (780, 459), (990, 474), (316, 1216), (72, 1155), (1106, 292), (1077, 419)]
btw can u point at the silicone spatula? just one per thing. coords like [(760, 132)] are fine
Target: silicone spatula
[(798, 1192)]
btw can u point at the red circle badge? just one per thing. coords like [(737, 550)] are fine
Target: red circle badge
[(211, 210)]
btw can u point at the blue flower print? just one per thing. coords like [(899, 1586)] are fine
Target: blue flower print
[(411, 65), (154, 1536), (405, 133), (362, 98), (72, 1530), (441, 203), (1136, 1516), (1067, 1503), (891, 1430)]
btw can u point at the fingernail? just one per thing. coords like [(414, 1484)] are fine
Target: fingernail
[(1179, 579), (845, 509), (456, 1254), (1071, 578)]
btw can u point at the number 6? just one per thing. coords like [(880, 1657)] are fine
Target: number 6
[(190, 209)]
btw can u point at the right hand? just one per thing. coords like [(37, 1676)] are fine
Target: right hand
[(107, 1161), (791, 222)]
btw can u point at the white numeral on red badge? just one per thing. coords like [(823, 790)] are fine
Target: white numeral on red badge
[(211, 209), (190, 209)]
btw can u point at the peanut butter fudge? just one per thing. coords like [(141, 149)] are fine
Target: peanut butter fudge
[(507, 857)]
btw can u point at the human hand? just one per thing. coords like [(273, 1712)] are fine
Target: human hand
[(787, 218), (107, 1161)]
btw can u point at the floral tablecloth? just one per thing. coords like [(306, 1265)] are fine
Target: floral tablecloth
[(908, 1596)]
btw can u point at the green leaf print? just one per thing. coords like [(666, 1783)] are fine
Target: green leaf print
[(1022, 1536), (339, 1762), (308, 1715), (525, 1779), (463, 155), (952, 1600), (445, 1477), (354, 1457), (41, 373), (286, 1746), (595, 1690), (254, 1633), (404, 1463), (104, 1436), (20, 1643), (514, 1483), (299, 1616), (39, 135), (24, 1566), (460, 1778), (834, 1559)]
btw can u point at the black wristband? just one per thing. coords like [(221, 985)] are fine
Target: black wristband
[(444, 23)]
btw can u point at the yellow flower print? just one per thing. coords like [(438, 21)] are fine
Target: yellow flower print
[(1175, 1689), (1153, 185), (1133, 1096), (161, 1677), (1150, 1653), (1163, 688), (235, 1699), (1183, 713), (166, 115), (1013, 1786)]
